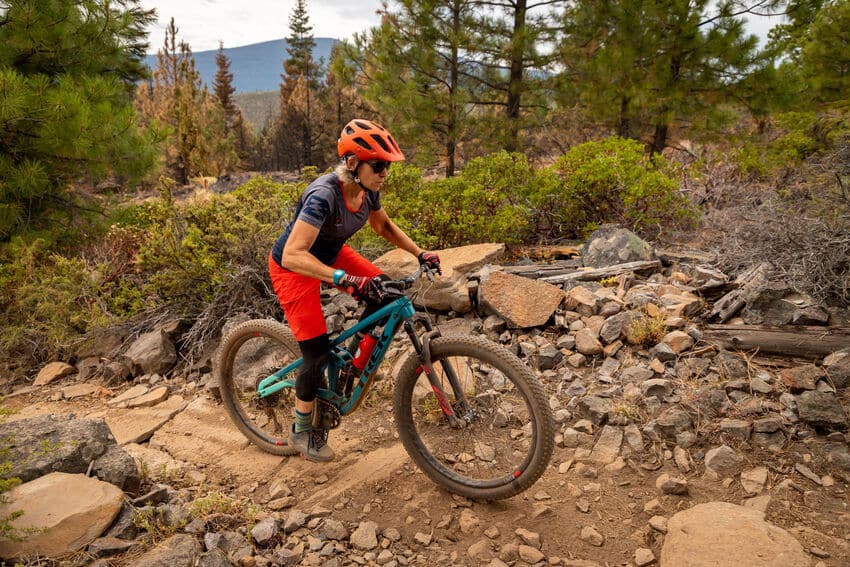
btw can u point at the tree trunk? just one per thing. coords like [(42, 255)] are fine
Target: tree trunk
[(804, 342), (515, 81)]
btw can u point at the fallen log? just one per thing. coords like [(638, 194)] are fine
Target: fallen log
[(803, 342), (536, 271), (599, 273)]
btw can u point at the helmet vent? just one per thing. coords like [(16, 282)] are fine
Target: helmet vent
[(381, 142), (362, 143), (392, 141), (363, 125)]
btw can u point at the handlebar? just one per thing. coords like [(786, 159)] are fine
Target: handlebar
[(396, 287)]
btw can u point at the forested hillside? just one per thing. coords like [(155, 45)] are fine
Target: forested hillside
[(523, 123)]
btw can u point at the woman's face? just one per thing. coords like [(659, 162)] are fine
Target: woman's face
[(369, 177)]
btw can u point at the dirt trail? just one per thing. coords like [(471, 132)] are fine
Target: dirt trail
[(373, 479)]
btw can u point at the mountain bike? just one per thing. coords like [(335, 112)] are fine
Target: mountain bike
[(469, 413)]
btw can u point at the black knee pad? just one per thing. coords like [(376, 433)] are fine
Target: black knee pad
[(316, 353)]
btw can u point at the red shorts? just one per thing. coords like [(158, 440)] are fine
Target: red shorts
[(299, 294)]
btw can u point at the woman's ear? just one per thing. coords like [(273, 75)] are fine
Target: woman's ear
[(351, 163)]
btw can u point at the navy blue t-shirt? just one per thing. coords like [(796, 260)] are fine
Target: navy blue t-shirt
[(323, 206)]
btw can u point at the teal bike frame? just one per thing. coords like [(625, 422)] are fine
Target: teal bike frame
[(390, 316)]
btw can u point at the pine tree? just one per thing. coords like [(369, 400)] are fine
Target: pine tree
[(412, 68), (508, 35), (224, 89), (300, 77), (67, 69), (647, 65), (176, 97)]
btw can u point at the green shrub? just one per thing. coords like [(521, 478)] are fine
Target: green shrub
[(487, 202), (610, 180), (6, 484), (795, 137)]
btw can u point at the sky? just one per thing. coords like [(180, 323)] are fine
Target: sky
[(204, 23)]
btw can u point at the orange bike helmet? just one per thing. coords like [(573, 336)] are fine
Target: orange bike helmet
[(368, 140)]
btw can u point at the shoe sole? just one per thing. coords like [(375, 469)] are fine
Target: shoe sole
[(316, 460)]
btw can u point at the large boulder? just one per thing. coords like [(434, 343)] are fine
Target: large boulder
[(776, 303), (49, 443), (520, 301), (449, 291), (611, 244), (65, 512), (151, 353), (711, 535)]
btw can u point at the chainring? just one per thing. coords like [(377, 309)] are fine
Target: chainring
[(326, 416)]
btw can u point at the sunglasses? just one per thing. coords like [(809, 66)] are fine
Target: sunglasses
[(378, 166)]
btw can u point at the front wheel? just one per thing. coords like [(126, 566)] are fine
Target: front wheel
[(249, 353), (508, 434)]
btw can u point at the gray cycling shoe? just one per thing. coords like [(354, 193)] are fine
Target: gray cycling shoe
[(312, 444)]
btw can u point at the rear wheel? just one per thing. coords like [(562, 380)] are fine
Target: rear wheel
[(507, 436), (249, 353)]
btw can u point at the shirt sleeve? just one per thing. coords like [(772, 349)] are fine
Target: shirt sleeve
[(374, 200), (317, 207)]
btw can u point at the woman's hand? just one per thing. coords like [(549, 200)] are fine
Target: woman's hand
[(361, 287), (431, 260)]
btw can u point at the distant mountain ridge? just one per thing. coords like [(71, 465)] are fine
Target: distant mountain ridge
[(255, 67)]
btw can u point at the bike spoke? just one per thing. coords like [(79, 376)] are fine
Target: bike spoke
[(252, 356)]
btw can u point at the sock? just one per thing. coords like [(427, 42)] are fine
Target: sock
[(303, 421)]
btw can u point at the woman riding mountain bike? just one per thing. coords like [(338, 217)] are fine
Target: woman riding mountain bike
[(313, 249)]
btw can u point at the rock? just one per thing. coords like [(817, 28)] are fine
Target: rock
[(181, 550), (656, 387), (69, 511), (678, 341), (479, 551), (670, 485), (468, 521), (821, 409), (801, 378), (590, 535), (614, 327), (607, 447), (548, 357), (736, 428), (150, 399), (710, 535), (61, 443), (837, 367), (521, 302), (336, 530), (53, 371), (151, 353), (365, 536), (449, 291), (528, 537), (753, 480), (587, 343), (265, 531), (723, 460), (643, 557), (108, 546), (121, 400), (138, 425), (611, 244), (117, 467), (582, 301), (77, 391), (530, 555), (777, 304)]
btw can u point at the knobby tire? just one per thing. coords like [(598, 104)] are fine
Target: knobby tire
[(250, 352), (505, 449)]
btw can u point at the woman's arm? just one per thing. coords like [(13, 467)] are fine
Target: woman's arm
[(388, 230), (297, 257)]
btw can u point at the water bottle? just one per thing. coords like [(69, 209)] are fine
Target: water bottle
[(367, 345)]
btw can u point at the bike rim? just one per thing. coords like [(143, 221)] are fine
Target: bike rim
[(497, 447), (251, 361)]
